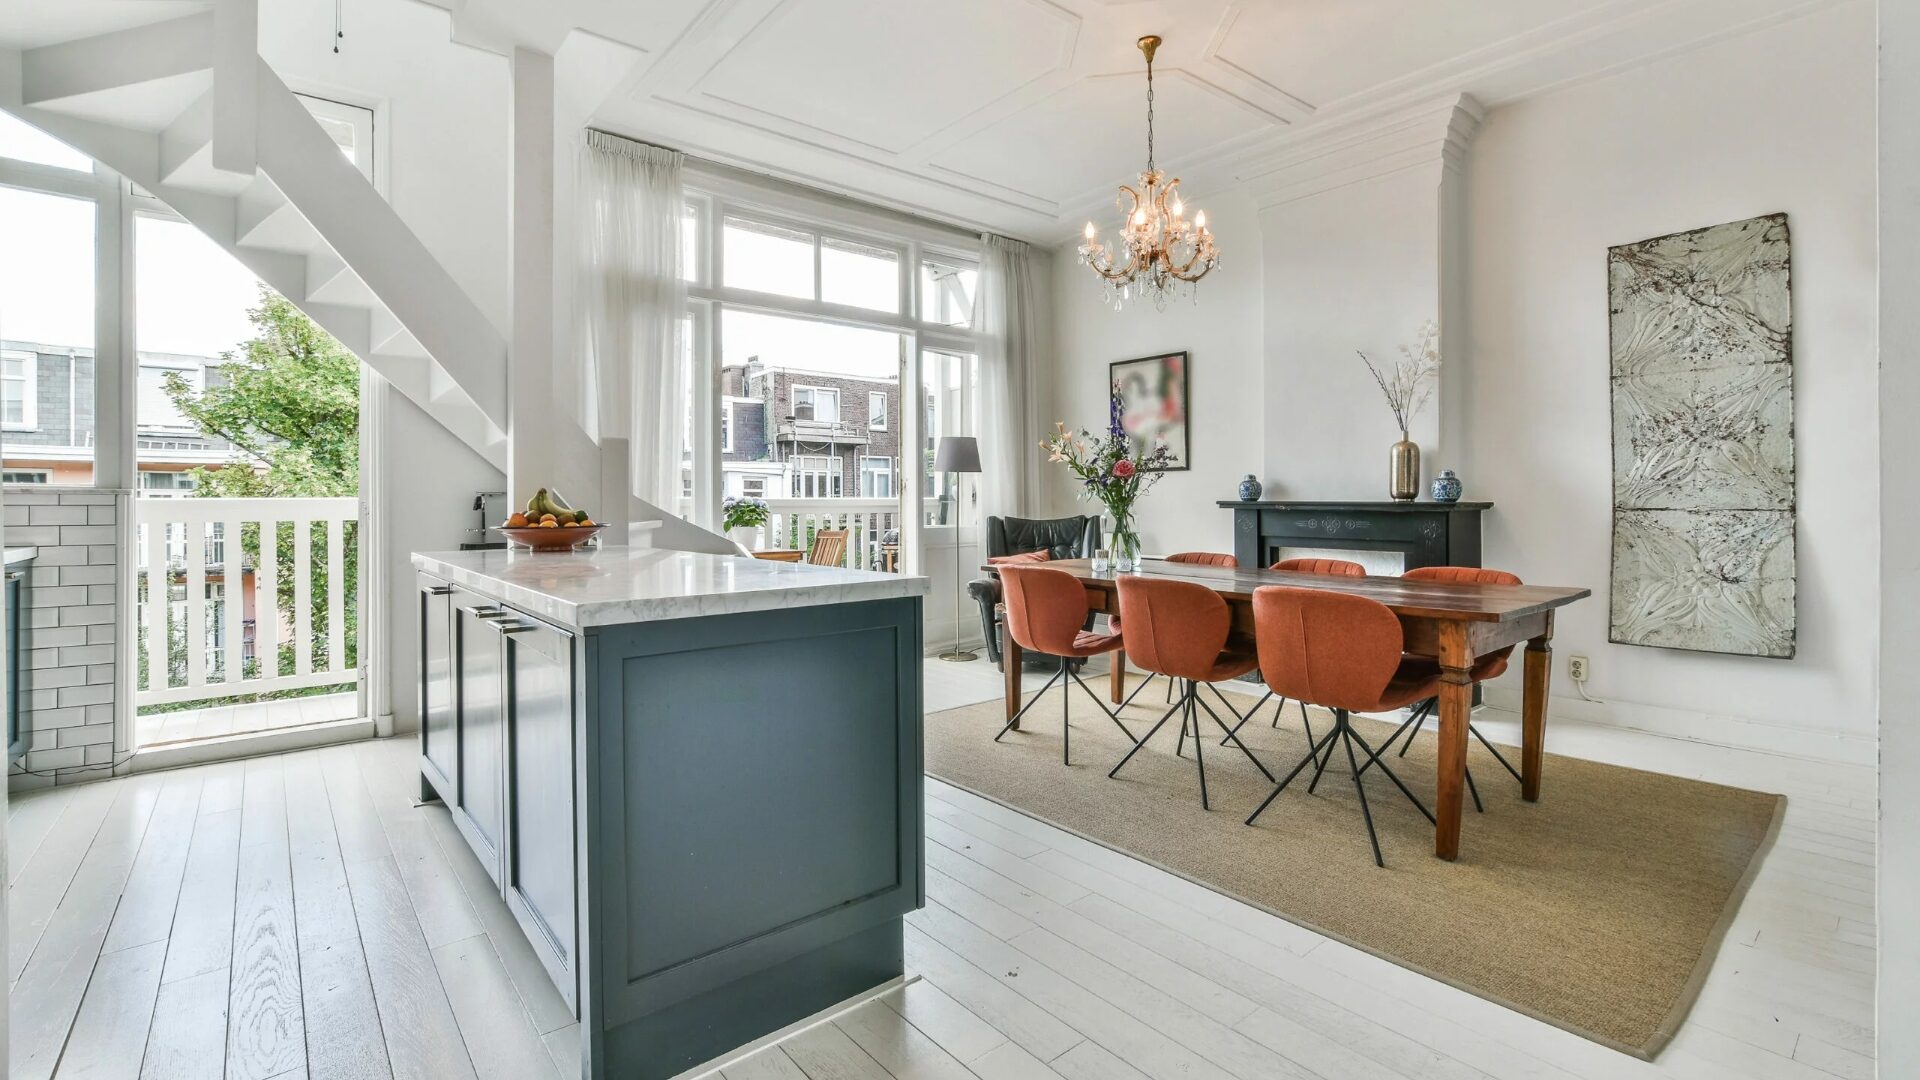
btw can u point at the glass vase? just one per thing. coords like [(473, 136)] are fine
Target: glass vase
[(1126, 543)]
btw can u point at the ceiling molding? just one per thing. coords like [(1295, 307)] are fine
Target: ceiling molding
[(1434, 133)]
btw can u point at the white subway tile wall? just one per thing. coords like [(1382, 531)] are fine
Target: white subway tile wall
[(69, 616)]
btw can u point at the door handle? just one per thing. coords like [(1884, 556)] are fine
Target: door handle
[(512, 628)]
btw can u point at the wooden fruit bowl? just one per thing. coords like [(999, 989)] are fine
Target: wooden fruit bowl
[(560, 539)]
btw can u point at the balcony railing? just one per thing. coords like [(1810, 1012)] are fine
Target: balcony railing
[(831, 431), (241, 597), (873, 537)]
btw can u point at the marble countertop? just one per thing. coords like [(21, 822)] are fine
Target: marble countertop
[(21, 554), (615, 585)]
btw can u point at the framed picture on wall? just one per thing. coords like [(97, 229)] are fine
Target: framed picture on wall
[(1153, 402)]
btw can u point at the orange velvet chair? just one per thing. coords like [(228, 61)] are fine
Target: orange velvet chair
[(1484, 667), (1191, 558), (1343, 652), (1335, 568), (1180, 629), (1046, 611), (1340, 567)]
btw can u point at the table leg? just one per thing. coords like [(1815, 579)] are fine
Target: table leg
[(1456, 709), (1533, 712), (1117, 677), (1010, 657)]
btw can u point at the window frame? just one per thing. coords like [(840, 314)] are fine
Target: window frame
[(10, 477), (879, 414), (29, 391), (794, 390), (886, 473)]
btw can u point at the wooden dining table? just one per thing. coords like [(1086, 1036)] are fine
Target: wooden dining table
[(1454, 622)]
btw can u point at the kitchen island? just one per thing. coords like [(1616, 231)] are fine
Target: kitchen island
[(696, 780)]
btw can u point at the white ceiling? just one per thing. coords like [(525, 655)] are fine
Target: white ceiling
[(1022, 115)]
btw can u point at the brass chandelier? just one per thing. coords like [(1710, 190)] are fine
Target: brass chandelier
[(1161, 254)]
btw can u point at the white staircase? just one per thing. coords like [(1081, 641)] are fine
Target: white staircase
[(187, 110)]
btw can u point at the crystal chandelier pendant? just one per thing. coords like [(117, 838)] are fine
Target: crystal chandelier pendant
[(1160, 254)]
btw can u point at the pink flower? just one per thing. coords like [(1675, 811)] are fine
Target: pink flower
[(1123, 468)]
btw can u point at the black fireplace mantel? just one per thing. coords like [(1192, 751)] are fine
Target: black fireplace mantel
[(1424, 533)]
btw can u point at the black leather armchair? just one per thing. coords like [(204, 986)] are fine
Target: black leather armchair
[(1063, 538)]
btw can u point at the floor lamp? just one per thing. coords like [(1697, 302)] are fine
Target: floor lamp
[(957, 454)]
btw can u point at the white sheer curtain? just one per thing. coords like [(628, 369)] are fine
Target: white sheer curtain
[(632, 300), (1009, 311)]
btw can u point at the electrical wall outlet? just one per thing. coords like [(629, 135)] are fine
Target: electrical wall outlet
[(1577, 668)]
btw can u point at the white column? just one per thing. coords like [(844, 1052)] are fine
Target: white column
[(1899, 934), (530, 379)]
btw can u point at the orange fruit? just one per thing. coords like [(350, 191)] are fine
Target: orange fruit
[(518, 520), (548, 519), (571, 525), (586, 522), (549, 523)]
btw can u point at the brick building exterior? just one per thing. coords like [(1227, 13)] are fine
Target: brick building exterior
[(795, 433)]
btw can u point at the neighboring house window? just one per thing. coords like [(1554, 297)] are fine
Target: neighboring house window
[(17, 402), (166, 485), (876, 411), (816, 403), (754, 487), (876, 478), (726, 427), (157, 410), (816, 477), (23, 476)]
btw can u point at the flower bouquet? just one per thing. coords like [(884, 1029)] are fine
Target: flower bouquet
[(1112, 474)]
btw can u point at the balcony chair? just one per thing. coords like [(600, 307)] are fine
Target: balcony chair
[(829, 548), (1342, 652), (1046, 613), (1180, 629), (1060, 538)]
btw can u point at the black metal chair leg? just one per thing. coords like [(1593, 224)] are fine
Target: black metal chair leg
[(1373, 758), (1308, 724), (1250, 714), (1475, 789), (1151, 732), (1102, 706), (1497, 755), (1180, 748), (1128, 700), (1031, 702), (1066, 718), (1366, 813), (1231, 737), (1199, 757), (1420, 718), (1319, 767), (1312, 754)]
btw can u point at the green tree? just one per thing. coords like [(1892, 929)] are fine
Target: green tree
[(289, 403)]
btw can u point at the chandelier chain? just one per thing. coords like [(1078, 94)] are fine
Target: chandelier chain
[(1149, 114)]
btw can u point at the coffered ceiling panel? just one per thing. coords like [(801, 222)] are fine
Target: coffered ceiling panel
[(1093, 135), (1322, 51), (890, 75)]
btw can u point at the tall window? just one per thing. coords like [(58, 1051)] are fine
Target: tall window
[(816, 403), (816, 477), (46, 328), (876, 478), (877, 411), (947, 380)]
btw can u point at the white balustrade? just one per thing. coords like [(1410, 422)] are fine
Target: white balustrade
[(872, 528), (187, 542)]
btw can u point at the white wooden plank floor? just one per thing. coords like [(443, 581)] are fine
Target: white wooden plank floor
[(296, 916)]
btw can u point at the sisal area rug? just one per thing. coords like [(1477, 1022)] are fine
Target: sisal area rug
[(1598, 909)]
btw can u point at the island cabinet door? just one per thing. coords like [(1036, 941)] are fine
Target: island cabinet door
[(540, 792), (439, 751), (480, 810)]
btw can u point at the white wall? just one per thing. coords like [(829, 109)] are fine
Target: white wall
[(1899, 856), (1354, 268), (1777, 120), (1221, 329), (442, 115)]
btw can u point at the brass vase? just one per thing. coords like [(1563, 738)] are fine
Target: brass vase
[(1406, 470)]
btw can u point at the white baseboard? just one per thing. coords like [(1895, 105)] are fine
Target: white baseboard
[(741, 1053), (1702, 727)]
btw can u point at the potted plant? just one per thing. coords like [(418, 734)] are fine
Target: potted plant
[(1112, 474), (741, 516)]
